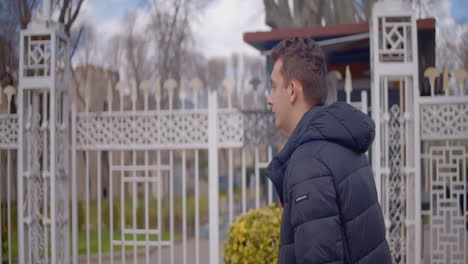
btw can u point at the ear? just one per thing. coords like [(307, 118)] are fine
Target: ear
[(294, 91)]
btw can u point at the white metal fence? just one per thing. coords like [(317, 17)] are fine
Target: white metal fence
[(443, 109), (140, 179), (154, 198), (419, 157), (151, 182), (8, 205)]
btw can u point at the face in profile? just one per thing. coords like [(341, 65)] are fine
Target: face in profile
[(278, 98)]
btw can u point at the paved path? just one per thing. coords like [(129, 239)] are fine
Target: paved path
[(163, 258)]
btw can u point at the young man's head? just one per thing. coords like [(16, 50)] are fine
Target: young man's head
[(298, 81)]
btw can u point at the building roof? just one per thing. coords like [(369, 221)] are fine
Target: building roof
[(266, 40)]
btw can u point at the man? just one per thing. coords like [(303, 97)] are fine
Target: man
[(330, 209)]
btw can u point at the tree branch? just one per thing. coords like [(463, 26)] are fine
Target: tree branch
[(63, 10), (75, 45), (73, 18), (78, 94)]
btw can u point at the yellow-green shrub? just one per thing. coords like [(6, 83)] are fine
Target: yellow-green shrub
[(254, 237)]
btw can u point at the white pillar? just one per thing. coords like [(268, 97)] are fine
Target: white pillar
[(46, 74), (394, 57), (213, 176)]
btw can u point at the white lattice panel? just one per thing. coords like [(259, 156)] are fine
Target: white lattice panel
[(444, 121), (231, 128), (396, 190), (8, 131), (61, 59), (176, 129), (36, 191), (447, 185), (395, 44), (62, 195), (37, 55)]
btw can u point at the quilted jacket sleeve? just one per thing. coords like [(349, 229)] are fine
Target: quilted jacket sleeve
[(315, 216)]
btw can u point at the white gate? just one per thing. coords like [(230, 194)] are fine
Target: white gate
[(444, 161), (154, 184), (419, 156), (134, 206)]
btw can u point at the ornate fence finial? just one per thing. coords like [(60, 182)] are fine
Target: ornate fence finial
[(134, 92), (431, 73), (229, 84), (170, 85), (109, 93), (9, 92), (348, 80), (145, 86), (255, 82), (121, 87), (348, 84), (182, 91), (157, 91), (196, 84), (338, 75), (445, 86), (460, 75)]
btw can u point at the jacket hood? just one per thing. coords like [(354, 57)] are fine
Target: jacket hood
[(339, 123)]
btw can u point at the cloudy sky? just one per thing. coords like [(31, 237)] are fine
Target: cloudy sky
[(221, 23), (218, 29)]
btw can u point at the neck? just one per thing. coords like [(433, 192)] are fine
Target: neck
[(296, 116)]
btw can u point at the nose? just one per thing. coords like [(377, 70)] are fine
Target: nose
[(269, 101)]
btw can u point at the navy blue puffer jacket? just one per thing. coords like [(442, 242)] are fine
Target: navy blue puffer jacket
[(330, 209)]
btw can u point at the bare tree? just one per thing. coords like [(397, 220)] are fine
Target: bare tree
[(425, 8), (280, 14), (135, 50), (69, 10), (113, 53), (24, 10), (463, 51), (88, 46), (171, 36)]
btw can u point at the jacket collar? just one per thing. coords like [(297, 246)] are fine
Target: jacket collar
[(277, 167)]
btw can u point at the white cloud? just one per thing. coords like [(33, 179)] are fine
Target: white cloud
[(87, 12), (218, 30), (108, 28), (222, 24)]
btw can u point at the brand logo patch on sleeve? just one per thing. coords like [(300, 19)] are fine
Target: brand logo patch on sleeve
[(302, 198)]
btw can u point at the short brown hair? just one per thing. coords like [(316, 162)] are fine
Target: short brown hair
[(304, 60)]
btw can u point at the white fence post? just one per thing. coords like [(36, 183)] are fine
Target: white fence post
[(213, 176), (74, 189), (394, 61)]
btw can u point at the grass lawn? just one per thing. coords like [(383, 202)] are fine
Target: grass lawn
[(105, 223), (106, 242), (93, 243)]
